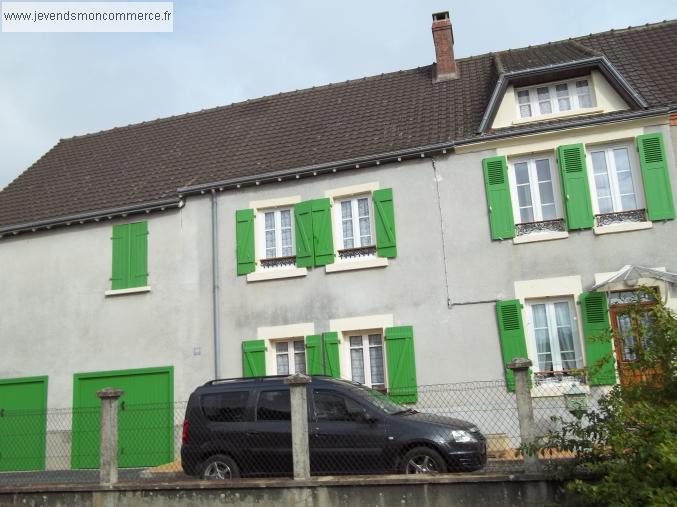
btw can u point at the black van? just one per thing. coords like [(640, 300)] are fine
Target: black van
[(242, 427)]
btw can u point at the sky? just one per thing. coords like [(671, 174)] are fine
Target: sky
[(58, 85)]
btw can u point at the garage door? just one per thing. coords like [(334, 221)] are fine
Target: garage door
[(145, 423), (23, 418)]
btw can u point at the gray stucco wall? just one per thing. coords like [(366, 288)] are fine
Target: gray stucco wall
[(56, 321)]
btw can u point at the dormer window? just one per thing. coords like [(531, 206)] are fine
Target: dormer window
[(554, 98)]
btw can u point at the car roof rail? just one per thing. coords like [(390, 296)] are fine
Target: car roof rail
[(241, 379)]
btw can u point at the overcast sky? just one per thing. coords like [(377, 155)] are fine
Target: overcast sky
[(55, 86)]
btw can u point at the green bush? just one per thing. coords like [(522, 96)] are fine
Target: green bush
[(625, 450)]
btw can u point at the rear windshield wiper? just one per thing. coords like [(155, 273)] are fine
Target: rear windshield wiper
[(406, 411)]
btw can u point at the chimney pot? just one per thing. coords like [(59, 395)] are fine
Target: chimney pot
[(443, 37)]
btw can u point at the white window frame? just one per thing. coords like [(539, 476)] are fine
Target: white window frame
[(260, 226), (573, 96), (533, 185), (366, 359), (552, 332), (635, 170), (291, 355), (338, 220)]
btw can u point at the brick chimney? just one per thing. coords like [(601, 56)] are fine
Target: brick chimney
[(443, 37)]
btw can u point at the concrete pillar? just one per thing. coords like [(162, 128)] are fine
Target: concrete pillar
[(108, 450), (299, 424), (525, 410)]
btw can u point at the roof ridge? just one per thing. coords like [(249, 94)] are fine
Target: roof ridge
[(577, 39), (494, 54)]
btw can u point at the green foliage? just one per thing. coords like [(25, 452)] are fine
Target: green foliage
[(625, 449)]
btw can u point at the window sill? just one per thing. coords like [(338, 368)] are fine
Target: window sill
[(556, 116), (131, 290), (259, 276), (552, 389), (375, 262), (630, 226), (544, 236)]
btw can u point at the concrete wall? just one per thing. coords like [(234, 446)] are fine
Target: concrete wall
[(383, 492), (56, 320)]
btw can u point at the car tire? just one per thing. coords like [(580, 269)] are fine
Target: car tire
[(423, 460), (219, 468)]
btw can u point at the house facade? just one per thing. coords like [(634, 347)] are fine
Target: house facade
[(416, 228)]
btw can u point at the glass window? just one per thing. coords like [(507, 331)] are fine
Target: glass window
[(524, 103), (552, 98), (278, 233), (535, 190), (225, 407), (356, 228), (614, 181), (555, 336), (330, 406), (290, 357), (366, 360), (544, 100), (563, 100), (274, 406), (583, 92)]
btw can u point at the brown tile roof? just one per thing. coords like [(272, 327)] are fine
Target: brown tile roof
[(370, 116)]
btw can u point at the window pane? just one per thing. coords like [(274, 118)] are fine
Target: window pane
[(330, 407), (542, 337), (355, 341), (524, 195), (521, 173), (363, 207), (626, 187), (357, 365), (523, 96), (270, 220), (546, 193), (225, 407), (544, 104), (282, 364), (376, 360), (565, 336), (583, 91), (274, 406), (525, 111), (602, 185), (543, 169), (281, 347), (285, 218), (563, 101), (549, 212), (300, 362)]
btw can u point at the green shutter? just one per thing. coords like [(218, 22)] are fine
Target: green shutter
[(574, 175), (254, 358), (121, 268), (323, 241), (244, 238), (303, 220), (384, 220), (657, 188), (597, 331), (317, 365), (138, 254), (331, 354), (314, 363), (496, 183), (401, 364), (511, 332)]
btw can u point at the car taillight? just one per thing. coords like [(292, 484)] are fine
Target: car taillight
[(184, 434)]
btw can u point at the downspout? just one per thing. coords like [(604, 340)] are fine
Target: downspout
[(215, 287)]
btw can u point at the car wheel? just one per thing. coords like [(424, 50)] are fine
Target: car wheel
[(423, 460), (219, 468)]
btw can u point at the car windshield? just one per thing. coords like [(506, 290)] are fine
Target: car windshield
[(379, 400)]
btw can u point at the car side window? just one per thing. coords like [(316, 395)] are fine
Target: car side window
[(225, 407), (330, 406), (274, 406)]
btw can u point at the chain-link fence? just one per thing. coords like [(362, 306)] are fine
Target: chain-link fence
[(243, 428)]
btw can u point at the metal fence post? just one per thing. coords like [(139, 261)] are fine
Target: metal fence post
[(299, 424), (108, 449), (525, 410)]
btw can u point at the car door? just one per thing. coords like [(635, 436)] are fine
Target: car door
[(268, 438), (345, 435)]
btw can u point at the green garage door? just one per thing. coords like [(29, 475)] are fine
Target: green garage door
[(145, 422), (23, 419)]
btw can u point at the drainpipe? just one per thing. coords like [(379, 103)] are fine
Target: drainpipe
[(215, 287)]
